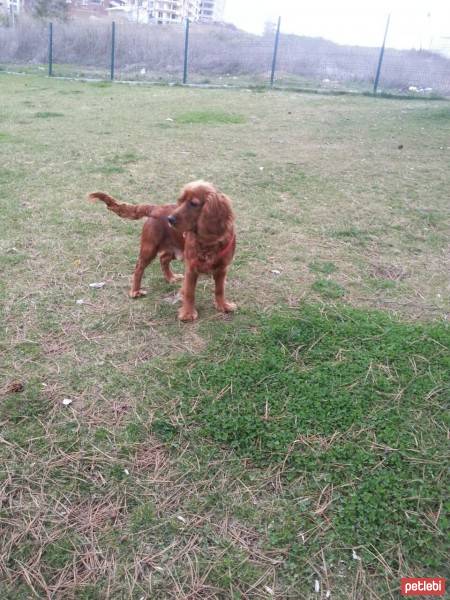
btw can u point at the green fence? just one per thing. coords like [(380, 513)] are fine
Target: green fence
[(200, 54)]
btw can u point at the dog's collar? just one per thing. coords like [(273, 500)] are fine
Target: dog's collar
[(220, 254), (227, 248), (224, 251)]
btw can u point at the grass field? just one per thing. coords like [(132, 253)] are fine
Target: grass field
[(295, 450)]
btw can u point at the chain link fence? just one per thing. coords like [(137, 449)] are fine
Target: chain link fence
[(214, 55)]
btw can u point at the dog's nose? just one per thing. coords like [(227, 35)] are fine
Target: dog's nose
[(172, 220)]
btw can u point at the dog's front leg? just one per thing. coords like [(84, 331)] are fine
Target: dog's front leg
[(220, 302), (187, 312)]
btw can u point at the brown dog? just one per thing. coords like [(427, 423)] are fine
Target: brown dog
[(198, 229)]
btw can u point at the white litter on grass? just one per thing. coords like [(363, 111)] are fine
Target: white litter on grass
[(316, 586), (328, 594), (169, 119), (173, 298), (182, 519), (269, 590), (355, 556), (97, 284), (126, 471), (67, 401), (261, 168), (275, 272), (80, 301)]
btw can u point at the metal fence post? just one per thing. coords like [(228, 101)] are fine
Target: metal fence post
[(380, 60), (113, 48), (275, 52), (50, 49), (186, 50)]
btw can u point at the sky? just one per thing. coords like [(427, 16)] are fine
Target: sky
[(419, 24)]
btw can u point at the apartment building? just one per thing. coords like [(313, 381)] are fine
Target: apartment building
[(13, 7), (177, 11), (212, 10), (173, 11), (142, 11)]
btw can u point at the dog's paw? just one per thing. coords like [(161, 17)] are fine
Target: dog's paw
[(226, 307), (137, 293), (186, 315)]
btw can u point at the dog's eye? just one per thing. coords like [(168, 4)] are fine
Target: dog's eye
[(193, 204)]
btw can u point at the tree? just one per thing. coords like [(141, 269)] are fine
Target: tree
[(45, 9)]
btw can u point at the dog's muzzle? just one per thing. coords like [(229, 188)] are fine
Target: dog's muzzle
[(172, 220)]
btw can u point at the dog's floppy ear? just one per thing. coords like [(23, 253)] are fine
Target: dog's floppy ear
[(216, 216)]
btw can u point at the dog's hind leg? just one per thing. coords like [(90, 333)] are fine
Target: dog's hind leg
[(145, 258), (169, 275), (150, 240)]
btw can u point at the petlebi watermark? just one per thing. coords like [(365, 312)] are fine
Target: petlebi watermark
[(422, 586)]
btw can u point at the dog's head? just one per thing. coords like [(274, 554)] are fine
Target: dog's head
[(203, 210)]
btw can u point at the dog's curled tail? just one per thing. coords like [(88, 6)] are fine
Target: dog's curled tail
[(124, 210)]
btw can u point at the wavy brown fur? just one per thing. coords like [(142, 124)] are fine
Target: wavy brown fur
[(123, 209)]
